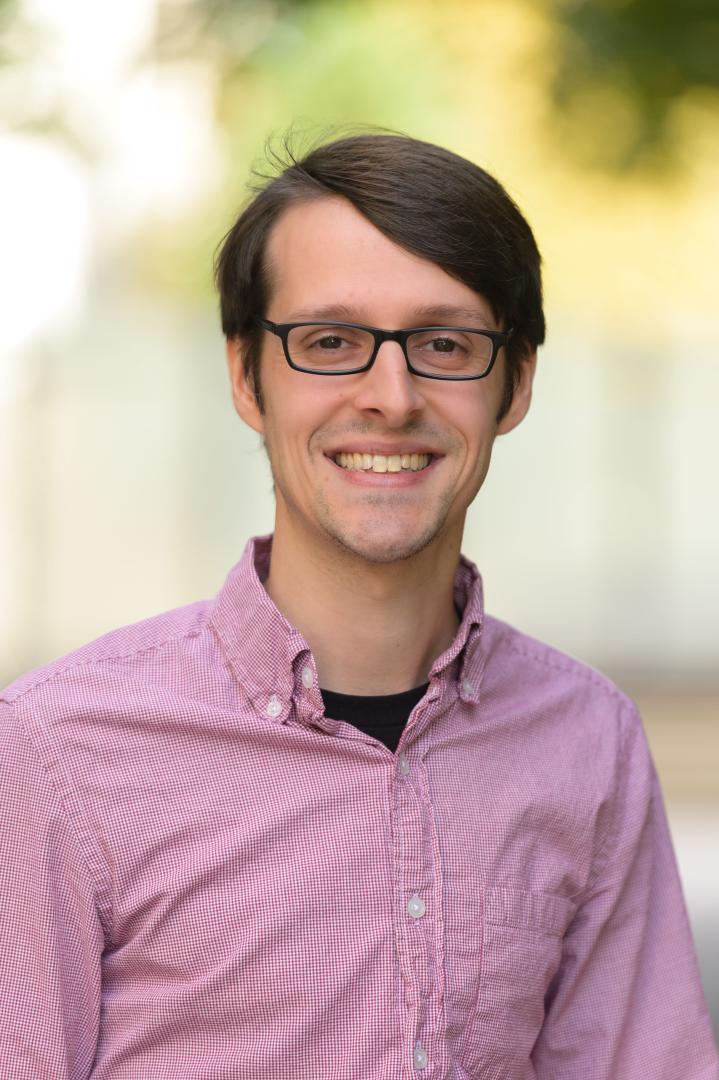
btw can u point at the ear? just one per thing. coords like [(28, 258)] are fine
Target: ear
[(243, 394), (522, 397)]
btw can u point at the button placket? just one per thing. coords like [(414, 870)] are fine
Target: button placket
[(416, 879)]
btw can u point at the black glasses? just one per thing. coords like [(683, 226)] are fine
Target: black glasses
[(434, 352)]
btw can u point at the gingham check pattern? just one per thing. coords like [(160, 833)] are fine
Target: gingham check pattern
[(203, 876)]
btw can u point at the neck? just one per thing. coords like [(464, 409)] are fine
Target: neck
[(373, 628)]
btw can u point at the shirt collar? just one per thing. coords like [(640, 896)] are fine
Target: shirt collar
[(464, 655), (267, 654), (261, 646)]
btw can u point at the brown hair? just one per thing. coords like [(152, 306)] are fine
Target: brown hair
[(426, 199)]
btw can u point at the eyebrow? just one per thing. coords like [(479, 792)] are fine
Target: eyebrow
[(427, 315)]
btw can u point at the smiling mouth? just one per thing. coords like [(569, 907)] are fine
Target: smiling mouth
[(383, 463)]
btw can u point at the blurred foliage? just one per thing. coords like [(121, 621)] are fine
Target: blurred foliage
[(612, 70), (637, 59), (228, 31), (8, 17), (628, 61), (24, 106)]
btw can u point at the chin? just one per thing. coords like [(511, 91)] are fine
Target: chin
[(375, 548)]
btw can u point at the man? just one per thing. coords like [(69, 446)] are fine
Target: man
[(338, 822)]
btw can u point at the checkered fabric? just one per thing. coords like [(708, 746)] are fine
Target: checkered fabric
[(203, 876)]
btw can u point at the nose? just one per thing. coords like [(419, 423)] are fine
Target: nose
[(389, 388)]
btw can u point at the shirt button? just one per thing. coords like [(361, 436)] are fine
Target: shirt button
[(274, 706), (420, 1057), (467, 686), (416, 907), (307, 677), (404, 765)]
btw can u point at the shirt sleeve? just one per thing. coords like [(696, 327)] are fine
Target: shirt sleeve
[(50, 933), (627, 1001)]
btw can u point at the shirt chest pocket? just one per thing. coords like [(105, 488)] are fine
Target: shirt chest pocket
[(501, 971)]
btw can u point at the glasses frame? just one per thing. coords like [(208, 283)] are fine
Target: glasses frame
[(282, 331)]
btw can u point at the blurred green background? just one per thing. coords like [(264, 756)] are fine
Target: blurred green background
[(127, 133)]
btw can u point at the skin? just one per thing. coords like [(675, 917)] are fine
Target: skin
[(363, 564)]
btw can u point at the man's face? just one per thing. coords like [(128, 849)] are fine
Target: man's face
[(328, 262)]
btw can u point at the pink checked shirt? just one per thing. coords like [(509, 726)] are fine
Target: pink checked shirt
[(204, 876)]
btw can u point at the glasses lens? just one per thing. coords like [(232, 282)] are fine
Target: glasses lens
[(450, 353), (328, 347)]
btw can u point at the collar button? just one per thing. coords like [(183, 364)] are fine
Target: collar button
[(274, 706)]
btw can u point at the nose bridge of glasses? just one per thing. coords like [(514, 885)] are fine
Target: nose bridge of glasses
[(397, 337)]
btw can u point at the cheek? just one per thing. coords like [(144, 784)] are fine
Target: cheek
[(478, 430), (475, 420), (289, 430)]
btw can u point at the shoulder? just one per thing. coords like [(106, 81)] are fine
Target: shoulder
[(521, 650), (577, 731), (141, 646), (542, 679)]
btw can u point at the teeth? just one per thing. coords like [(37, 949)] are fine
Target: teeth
[(382, 463)]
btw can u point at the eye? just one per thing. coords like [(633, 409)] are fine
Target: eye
[(443, 344), (448, 344), (329, 341)]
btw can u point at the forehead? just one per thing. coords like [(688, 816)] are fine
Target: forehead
[(323, 253)]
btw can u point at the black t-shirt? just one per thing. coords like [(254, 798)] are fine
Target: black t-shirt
[(383, 717)]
